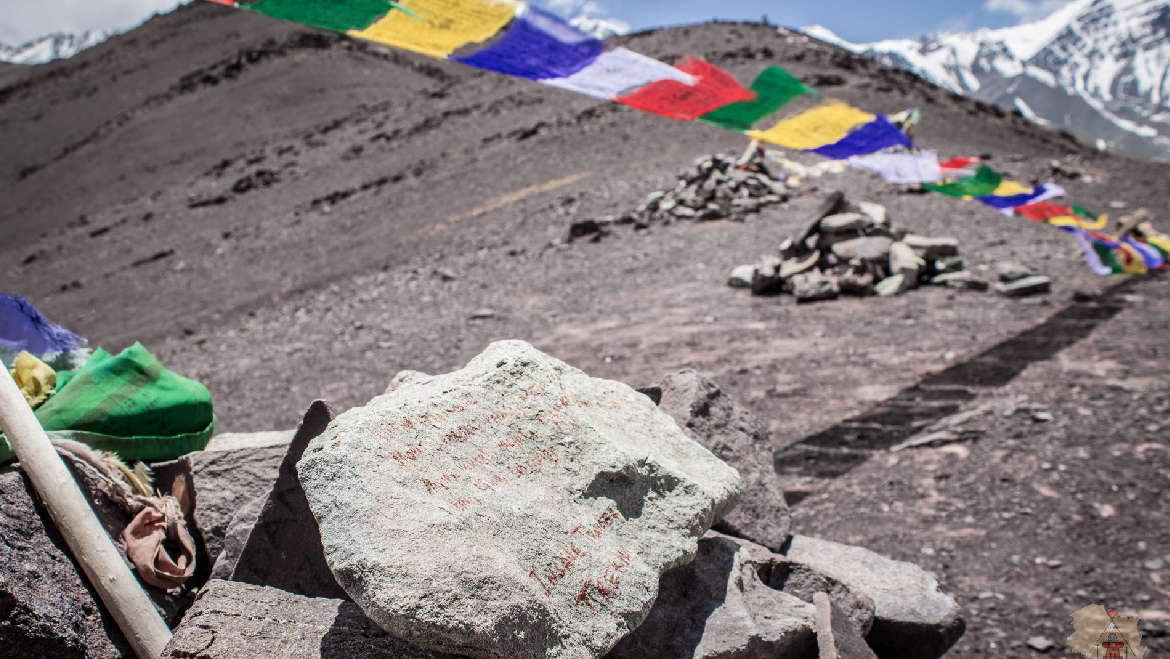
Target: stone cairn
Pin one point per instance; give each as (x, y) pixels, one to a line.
(855, 249)
(516, 508)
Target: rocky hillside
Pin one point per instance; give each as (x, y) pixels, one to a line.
(1099, 68)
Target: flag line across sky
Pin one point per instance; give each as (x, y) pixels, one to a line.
(514, 38)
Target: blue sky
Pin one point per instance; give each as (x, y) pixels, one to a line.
(855, 20)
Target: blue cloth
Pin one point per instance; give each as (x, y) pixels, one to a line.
(872, 137)
(537, 46)
(1039, 193)
(22, 327)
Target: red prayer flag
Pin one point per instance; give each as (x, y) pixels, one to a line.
(713, 89)
(1044, 211)
(960, 163)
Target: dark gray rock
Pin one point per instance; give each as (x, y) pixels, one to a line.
(856, 284)
(741, 276)
(837, 638)
(815, 287)
(1010, 271)
(767, 279)
(236, 537)
(1024, 287)
(233, 620)
(587, 229)
(961, 280)
(714, 419)
(932, 249)
(717, 607)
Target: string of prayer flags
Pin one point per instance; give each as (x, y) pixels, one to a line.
(877, 135)
(617, 71)
(1063, 216)
(985, 182)
(336, 15)
(774, 88)
(814, 128)
(437, 28)
(537, 45)
(1093, 257)
(1006, 204)
(713, 89)
(901, 168)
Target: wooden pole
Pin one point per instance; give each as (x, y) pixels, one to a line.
(87, 539)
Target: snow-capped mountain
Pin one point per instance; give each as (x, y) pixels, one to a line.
(51, 46)
(1098, 68)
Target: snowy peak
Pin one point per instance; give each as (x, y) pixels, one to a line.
(50, 47)
(1099, 68)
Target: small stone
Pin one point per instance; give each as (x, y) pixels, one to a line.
(876, 212)
(1009, 271)
(869, 248)
(837, 638)
(741, 276)
(445, 275)
(1041, 644)
(796, 266)
(1024, 287)
(846, 223)
(788, 249)
(960, 281)
(950, 264)
(683, 212)
(793, 182)
(1154, 564)
(815, 287)
(932, 249)
(482, 314)
(895, 285)
(588, 228)
(906, 262)
(767, 280)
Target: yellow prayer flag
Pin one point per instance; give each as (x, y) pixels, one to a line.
(815, 128)
(441, 26)
(1011, 189)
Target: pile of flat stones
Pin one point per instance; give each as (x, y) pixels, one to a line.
(514, 509)
(714, 188)
(855, 249)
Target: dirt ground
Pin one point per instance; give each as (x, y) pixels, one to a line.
(325, 276)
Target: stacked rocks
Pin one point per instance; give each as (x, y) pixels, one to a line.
(854, 249)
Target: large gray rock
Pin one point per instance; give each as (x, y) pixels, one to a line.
(47, 609)
(717, 607)
(283, 545)
(837, 638)
(232, 620)
(912, 618)
(714, 419)
(516, 508)
(224, 482)
(236, 537)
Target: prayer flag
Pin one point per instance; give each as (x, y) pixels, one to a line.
(536, 46)
(1006, 204)
(901, 168)
(1152, 258)
(774, 89)
(877, 135)
(336, 15)
(438, 27)
(1100, 260)
(616, 71)
(22, 327)
(983, 183)
(814, 128)
(714, 89)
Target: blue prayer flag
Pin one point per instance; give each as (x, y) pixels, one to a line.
(537, 46)
(872, 137)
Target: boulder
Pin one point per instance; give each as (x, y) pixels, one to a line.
(516, 508)
(868, 248)
(1024, 287)
(741, 277)
(814, 287)
(714, 419)
(717, 607)
(837, 638)
(283, 546)
(912, 618)
(232, 620)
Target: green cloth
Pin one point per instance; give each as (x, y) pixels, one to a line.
(130, 405)
(774, 89)
(983, 183)
(337, 15)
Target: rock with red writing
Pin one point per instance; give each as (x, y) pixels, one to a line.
(514, 509)
(714, 419)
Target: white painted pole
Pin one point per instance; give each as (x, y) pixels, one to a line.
(87, 539)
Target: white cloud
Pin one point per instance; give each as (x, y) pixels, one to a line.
(24, 20)
(1025, 10)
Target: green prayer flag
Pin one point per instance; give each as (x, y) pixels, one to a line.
(774, 89)
(1109, 257)
(128, 404)
(983, 183)
(337, 15)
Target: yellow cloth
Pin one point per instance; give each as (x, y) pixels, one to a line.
(1071, 221)
(815, 128)
(1161, 242)
(1011, 189)
(35, 379)
(445, 25)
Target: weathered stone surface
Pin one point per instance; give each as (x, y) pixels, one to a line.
(283, 549)
(236, 537)
(932, 248)
(906, 262)
(895, 285)
(234, 441)
(837, 638)
(869, 248)
(404, 377)
(741, 277)
(47, 609)
(233, 620)
(912, 618)
(846, 223)
(1011, 271)
(717, 607)
(714, 419)
(961, 280)
(224, 481)
(517, 508)
(814, 287)
(1024, 287)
